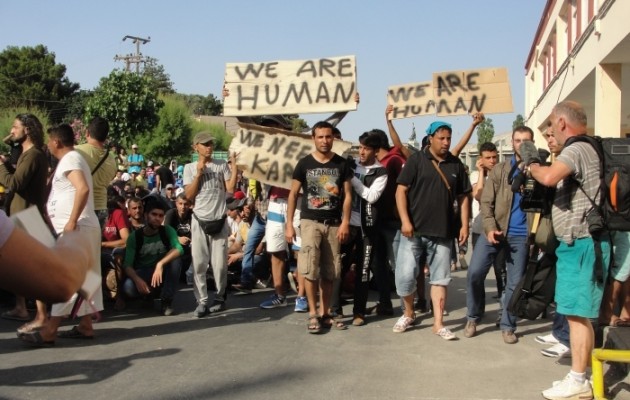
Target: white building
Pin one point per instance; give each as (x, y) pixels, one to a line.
(581, 52)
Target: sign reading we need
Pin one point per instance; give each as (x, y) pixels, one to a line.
(454, 93)
(290, 87)
(269, 155)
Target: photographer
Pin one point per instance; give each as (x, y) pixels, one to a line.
(576, 176)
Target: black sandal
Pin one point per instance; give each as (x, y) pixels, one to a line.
(314, 324)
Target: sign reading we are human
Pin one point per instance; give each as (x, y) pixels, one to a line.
(454, 93)
(290, 87)
(269, 155)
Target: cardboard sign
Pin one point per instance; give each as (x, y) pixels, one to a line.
(472, 91)
(411, 100)
(290, 87)
(269, 155)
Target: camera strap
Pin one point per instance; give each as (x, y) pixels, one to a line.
(439, 171)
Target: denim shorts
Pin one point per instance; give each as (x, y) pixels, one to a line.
(411, 252)
(578, 293)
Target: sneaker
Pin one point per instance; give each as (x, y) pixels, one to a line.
(546, 339)
(557, 350)
(167, 307)
(569, 388)
(301, 304)
(274, 302)
(470, 329)
(462, 263)
(509, 337)
(358, 320)
(292, 282)
(260, 284)
(217, 306)
(243, 288)
(201, 311)
(446, 334)
(402, 324)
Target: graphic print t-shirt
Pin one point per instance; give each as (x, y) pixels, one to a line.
(322, 184)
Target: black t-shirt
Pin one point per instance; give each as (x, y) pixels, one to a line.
(181, 225)
(166, 176)
(322, 185)
(429, 204)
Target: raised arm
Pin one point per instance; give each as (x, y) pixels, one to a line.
(477, 119)
(394, 135)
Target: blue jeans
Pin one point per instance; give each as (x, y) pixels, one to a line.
(170, 276)
(516, 251)
(560, 328)
(411, 250)
(254, 237)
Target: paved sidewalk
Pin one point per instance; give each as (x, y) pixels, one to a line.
(249, 353)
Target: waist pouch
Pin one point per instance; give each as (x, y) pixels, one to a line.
(211, 227)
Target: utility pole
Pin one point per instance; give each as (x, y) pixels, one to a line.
(133, 58)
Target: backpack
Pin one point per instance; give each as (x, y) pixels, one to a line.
(536, 289)
(140, 239)
(614, 158)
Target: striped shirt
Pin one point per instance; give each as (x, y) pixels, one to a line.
(570, 204)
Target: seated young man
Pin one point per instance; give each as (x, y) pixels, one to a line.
(148, 258)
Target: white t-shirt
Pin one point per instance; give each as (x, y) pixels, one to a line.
(61, 198)
(210, 201)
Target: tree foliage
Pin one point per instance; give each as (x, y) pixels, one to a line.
(297, 123)
(128, 102)
(485, 132)
(173, 134)
(30, 77)
(202, 105)
(519, 121)
(160, 80)
(221, 136)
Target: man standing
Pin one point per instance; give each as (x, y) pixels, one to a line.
(102, 164)
(70, 207)
(575, 174)
(163, 177)
(27, 183)
(430, 183)
(505, 229)
(135, 160)
(324, 178)
(206, 184)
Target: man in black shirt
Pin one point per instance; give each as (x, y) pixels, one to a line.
(324, 178)
(163, 176)
(179, 219)
(430, 184)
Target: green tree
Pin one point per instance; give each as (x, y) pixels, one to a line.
(172, 136)
(161, 81)
(203, 105)
(519, 121)
(297, 123)
(485, 132)
(30, 77)
(222, 137)
(128, 102)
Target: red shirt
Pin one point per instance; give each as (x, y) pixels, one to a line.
(116, 221)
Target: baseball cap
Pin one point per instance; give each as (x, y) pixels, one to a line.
(238, 195)
(134, 146)
(233, 203)
(150, 164)
(437, 125)
(203, 138)
(169, 186)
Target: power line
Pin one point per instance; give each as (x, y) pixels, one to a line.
(133, 58)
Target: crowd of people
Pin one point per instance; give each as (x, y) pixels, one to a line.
(392, 217)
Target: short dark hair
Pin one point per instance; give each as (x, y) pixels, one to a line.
(98, 128)
(322, 125)
(487, 146)
(523, 128)
(152, 202)
(63, 133)
(382, 137)
(369, 139)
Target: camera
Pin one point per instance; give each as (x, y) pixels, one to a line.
(536, 197)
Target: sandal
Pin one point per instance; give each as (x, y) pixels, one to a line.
(74, 333)
(29, 327)
(14, 316)
(35, 339)
(328, 322)
(446, 334)
(314, 324)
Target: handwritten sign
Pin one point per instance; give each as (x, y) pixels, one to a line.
(269, 155)
(472, 91)
(291, 87)
(411, 100)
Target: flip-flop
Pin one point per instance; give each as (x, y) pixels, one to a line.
(621, 323)
(329, 322)
(35, 339)
(14, 317)
(28, 327)
(74, 333)
(314, 324)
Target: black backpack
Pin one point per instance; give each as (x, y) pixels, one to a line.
(614, 158)
(536, 289)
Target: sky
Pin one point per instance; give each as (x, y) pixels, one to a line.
(395, 42)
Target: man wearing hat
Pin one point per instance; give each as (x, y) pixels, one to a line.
(135, 159)
(206, 184)
(429, 184)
